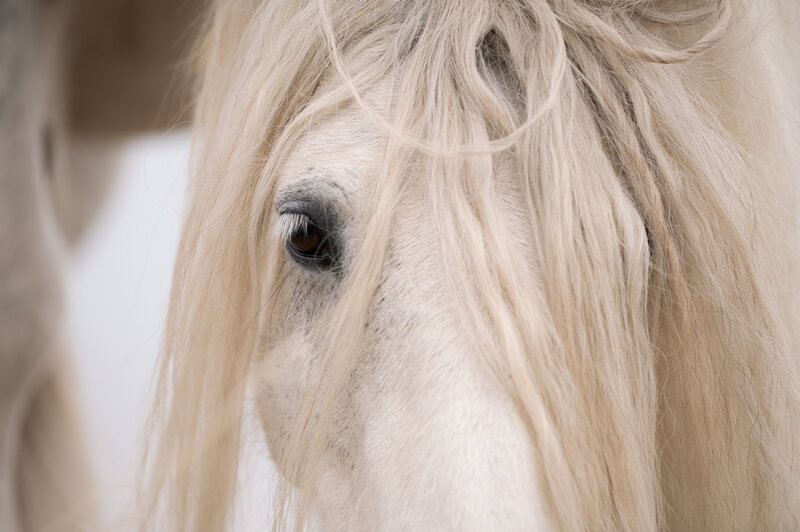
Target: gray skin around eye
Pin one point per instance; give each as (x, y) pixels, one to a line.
(320, 199)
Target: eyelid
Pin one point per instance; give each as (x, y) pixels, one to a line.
(315, 213)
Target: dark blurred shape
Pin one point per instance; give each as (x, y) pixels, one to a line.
(128, 67)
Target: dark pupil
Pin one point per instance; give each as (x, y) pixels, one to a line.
(306, 242)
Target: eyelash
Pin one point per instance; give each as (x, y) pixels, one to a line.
(290, 224)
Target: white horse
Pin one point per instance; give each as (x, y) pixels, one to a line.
(485, 264)
(491, 265)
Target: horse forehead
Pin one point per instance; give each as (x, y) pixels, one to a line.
(345, 136)
(345, 147)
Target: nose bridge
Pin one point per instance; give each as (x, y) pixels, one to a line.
(441, 293)
(442, 252)
(439, 421)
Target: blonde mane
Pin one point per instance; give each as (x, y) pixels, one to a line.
(648, 341)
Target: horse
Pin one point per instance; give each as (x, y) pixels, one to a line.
(495, 264)
(484, 264)
(70, 72)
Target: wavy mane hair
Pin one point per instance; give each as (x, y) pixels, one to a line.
(650, 349)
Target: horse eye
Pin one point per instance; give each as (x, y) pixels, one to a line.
(311, 245)
(306, 241)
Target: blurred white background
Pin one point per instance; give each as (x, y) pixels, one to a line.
(118, 282)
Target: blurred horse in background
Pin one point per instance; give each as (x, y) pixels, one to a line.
(71, 73)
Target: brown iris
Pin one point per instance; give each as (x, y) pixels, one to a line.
(311, 245)
(306, 241)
